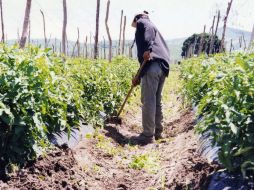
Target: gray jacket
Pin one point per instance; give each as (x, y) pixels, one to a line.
(148, 38)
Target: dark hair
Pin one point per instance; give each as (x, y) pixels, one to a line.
(142, 15)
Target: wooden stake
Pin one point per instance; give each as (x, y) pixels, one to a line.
(201, 43)
(25, 24)
(252, 38)
(78, 44)
(222, 47)
(29, 33)
(104, 48)
(2, 22)
(212, 37)
(240, 41)
(86, 48)
(231, 45)
(244, 42)
(18, 36)
(120, 35)
(108, 32)
(96, 53)
(44, 29)
(64, 36)
(124, 26)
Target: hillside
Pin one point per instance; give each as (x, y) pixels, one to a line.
(174, 45)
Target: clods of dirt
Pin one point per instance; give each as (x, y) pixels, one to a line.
(56, 170)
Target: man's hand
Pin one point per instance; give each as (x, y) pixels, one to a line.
(146, 55)
(135, 81)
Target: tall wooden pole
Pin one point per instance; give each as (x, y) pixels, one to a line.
(18, 36)
(29, 33)
(244, 42)
(251, 38)
(120, 35)
(217, 24)
(222, 47)
(2, 22)
(108, 32)
(78, 44)
(91, 49)
(64, 36)
(44, 29)
(231, 45)
(201, 43)
(104, 48)
(86, 54)
(55, 45)
(212, 37)
(25, 24)
(240, 41)
(124, 26)
(96, 51)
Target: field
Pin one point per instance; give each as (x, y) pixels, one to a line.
(43, 93)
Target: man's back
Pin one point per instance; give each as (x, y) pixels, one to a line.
(148, 38)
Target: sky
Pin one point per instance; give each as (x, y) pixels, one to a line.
(174, 18)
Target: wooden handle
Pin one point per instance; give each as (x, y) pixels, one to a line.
(131, 89)
(126, 98)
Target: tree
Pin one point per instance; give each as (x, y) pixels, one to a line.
(2, 21)
(194, 42)
(25, 24)
(109, 37)
(96, 51)
(64, 36)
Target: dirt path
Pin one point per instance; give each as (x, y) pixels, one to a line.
(106, 161)
(171, 164)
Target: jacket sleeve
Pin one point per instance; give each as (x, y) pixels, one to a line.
(149, 34)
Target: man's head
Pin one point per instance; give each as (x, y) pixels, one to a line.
(139, 16)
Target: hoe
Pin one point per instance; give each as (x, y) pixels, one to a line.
(116, 119)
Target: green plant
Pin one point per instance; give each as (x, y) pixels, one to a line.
(104, 84)
(42, 94)
(33, 102)
(148, 161)
(223, 89)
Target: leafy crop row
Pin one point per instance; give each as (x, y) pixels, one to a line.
(223, 88)
(41, 94)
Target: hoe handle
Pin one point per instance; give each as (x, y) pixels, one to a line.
(131, 89)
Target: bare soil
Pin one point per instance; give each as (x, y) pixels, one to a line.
(104, 161)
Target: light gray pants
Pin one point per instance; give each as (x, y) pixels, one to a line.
(151, 88)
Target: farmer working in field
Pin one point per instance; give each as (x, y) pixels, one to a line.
(153, 50)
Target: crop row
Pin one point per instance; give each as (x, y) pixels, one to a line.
(42, 94)
(223, 89)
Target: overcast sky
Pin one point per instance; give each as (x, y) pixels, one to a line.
(174, 18)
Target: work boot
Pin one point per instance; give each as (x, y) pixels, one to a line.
(159, 136)
(141, 140)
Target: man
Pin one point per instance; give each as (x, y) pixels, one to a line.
(152, 50)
